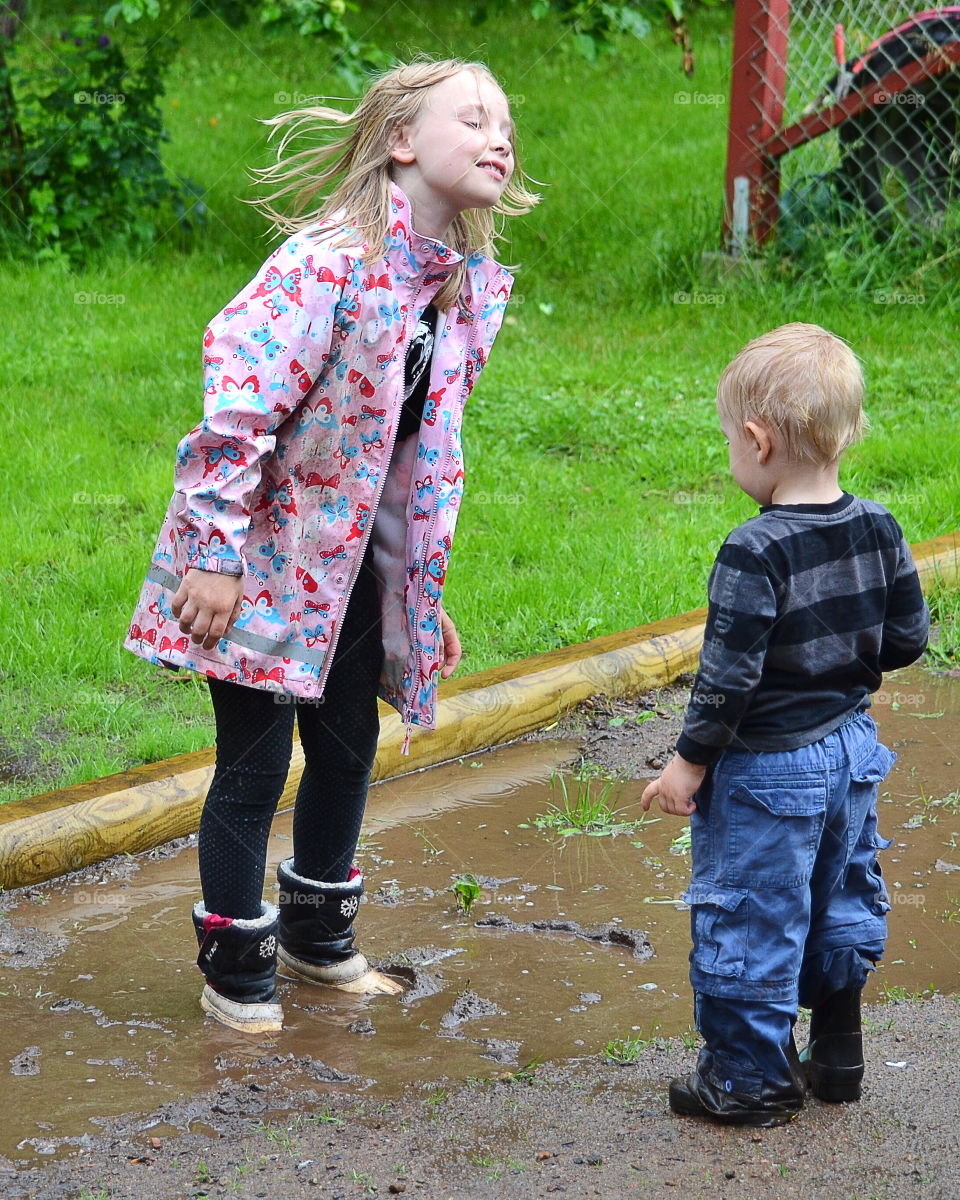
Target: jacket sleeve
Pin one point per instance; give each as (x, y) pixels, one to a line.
(741, 614)
(906, 623)
(262, 354)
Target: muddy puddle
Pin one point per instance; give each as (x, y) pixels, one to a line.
(573, 941)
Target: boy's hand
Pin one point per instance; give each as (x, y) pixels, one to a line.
(674, 788)
(206, 605)
(450, 649)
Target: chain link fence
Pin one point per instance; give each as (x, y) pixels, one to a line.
(841, 112)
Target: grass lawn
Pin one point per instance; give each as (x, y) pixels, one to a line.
(597, 485)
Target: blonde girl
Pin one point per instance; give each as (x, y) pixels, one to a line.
(302, 562)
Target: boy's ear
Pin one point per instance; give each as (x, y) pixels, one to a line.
(400, 149)
(761, 435)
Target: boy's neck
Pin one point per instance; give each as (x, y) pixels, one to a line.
(807, 483)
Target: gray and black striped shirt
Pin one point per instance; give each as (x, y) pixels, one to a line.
(808, 605)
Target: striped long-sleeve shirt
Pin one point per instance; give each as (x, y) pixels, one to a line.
(808, 605)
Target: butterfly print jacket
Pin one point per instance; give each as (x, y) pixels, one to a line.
(293, 468)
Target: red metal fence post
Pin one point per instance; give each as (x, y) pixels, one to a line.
(758, 78)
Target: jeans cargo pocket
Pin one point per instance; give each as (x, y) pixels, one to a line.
(773, 832)
(719, 923)
(875, 767)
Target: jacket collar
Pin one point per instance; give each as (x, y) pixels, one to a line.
(408, 251)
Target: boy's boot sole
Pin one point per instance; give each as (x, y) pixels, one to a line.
(244, 1017)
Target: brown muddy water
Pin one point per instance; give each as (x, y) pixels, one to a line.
(102, 1017)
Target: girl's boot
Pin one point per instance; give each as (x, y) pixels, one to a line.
(239, 961)
(833, 1060)
(316, 933)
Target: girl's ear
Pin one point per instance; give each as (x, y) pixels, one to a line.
(400, 149)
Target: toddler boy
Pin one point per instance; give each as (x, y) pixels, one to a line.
(778, 765)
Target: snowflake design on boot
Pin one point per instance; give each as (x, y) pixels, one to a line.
(268, 947)
(350, 905)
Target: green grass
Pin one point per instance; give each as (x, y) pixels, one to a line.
(585, 805)
(597, 483)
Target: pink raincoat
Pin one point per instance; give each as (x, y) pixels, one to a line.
(293, 468)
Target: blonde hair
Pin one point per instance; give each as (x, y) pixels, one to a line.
(361, 154)
(805, 382)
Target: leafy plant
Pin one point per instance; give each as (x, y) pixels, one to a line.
(587, 807)
(82, 137)
(682, 843)
(466, 891)
(625, 1050)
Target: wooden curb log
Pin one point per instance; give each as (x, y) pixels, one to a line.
(57, 832)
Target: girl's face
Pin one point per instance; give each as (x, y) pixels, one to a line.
(458, 153)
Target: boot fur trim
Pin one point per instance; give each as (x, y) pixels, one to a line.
(288, 875)
(268, 914)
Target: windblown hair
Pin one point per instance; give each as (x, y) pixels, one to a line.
(356, 147)
(803, 381)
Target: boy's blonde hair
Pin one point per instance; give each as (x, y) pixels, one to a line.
(805, 382)
(361, 155)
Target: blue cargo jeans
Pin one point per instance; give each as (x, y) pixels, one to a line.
(787, 899)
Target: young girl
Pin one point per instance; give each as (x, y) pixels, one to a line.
(302, 560)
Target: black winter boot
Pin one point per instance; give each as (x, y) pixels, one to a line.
(316, 933)
(706, 1094)
(833, 1060)
(239, 961)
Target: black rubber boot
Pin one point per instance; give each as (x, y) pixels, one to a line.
(238, 959)
(316, 933)
(704, 1094)
(833, 1061)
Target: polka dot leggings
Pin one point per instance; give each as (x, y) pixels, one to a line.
(338, 734)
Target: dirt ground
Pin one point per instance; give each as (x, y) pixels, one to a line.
(577, 1128)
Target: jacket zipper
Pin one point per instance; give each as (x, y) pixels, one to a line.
(474, 338)
(371, 516)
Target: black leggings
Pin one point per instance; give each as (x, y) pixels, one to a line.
(338, 734)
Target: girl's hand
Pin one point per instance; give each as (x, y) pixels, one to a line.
(674, 788)
(450, 649)
(207, 604)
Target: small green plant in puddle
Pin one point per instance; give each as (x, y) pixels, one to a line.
(585, 805)
(102, 1194)
(203, 1173)
(683, 842)
(466, 891)
(625, 1050)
